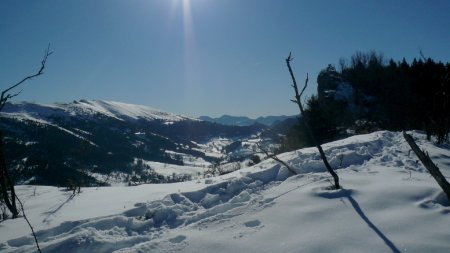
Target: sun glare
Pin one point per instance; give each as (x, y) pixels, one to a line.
(189, 48)
(187, 19)
(186, 13)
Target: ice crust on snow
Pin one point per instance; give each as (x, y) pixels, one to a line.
(389, 204)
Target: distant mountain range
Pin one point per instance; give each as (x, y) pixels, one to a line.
(54, 143)
(246, 121)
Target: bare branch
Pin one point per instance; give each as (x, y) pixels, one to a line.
(422, 55)
(289, 58)
(306, 85)
(274, 157)
(5, 96)
(13, 95)
(294, 82)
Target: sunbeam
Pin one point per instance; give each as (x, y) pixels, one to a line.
(190, 61)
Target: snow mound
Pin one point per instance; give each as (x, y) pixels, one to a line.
(379, 148)
(147, 221)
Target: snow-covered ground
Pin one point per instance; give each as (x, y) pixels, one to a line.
(170, 169)
(389, 203)
(214, 147)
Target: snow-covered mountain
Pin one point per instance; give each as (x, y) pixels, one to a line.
(89, 109)
(51, 144)
(389, 203)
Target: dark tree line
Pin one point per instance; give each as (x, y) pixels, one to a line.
(368, 93)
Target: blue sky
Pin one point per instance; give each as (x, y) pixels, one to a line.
(204, 57)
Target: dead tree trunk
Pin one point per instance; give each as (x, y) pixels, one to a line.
(297, 101)
(429, 165)
(6, 184)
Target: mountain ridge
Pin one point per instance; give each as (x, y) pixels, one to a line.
(246, 121)
(111, 109)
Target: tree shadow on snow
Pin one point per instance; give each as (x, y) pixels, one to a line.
(52, 212)
(344, 193)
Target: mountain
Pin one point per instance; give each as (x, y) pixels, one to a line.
(230, 120)
(90, 109)
(57, 143)
(281, 128)
(246, 121)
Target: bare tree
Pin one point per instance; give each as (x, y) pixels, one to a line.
(297, 101)
(6, 184)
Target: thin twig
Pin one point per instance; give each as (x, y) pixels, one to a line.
(422, 55)
(29, 224)
(5, 96)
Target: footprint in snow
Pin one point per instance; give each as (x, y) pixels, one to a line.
(252, 223)
(178, 239)
(251, 227)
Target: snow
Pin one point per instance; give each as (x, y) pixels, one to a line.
(126, 111)
(166, 169)
(214, 147)
(112, 109)
(189, 160)
(389, 203)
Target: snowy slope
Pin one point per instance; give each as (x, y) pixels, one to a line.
(389, 204)
(89, 108)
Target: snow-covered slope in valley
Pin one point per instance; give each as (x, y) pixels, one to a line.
(89, 108)
(388, 203)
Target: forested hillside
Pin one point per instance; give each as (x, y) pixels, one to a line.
(367, 93)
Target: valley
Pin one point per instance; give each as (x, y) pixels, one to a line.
(93, 143)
